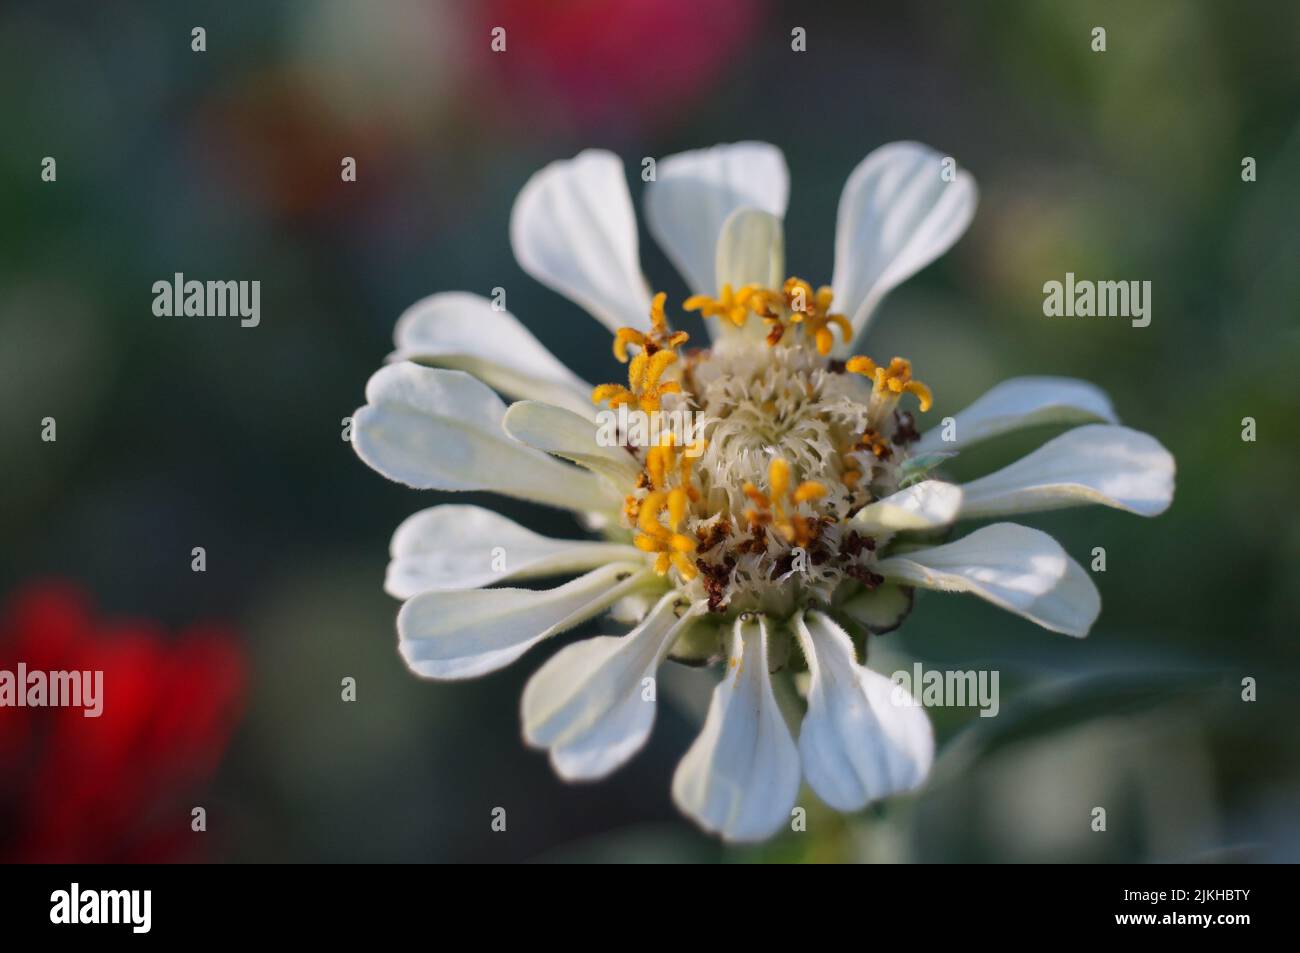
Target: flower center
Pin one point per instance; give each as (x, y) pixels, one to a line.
(753, 514)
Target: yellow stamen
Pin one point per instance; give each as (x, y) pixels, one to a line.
(770, 508)
(799, 297)
(735, 306)
(799, 531)
(657, 365)
(636, 372)
(808, 491)
(795, 303)
(658, 350)
(766, 303)
(623, 338)
(894, 379)
(778, 477)
(684, 566)
(682, 544)
(657, 460)
(670, 545)
(922, 394)
(861, 365)
(820, 328)
(824, 298)
(614, 393)
(658, 319)
(809, 308)
(877, 444)
(677, 502)
(756, 496)
(648, 518)
(660, 335)
(662, 470)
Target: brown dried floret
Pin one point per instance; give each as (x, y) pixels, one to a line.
(714, 534)
(905, 431)
(716, 578)
(853, 543)
(870, 580)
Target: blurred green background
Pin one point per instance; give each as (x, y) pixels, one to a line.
(174, 433)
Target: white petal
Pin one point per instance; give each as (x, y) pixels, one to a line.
(464, 332)
(566, 434)
(1016, 568)
(455, 546)
(741, 776)
(632, 609)
(694, 193)
(860, 739)
(925, 505)
(896, 215)
(463, 633)
(1113, 466)
(590, 705)
(751, 250)
(1022, 402)
(573, 229)
(442, 430)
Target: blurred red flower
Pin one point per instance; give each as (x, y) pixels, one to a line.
(119, 787)
(633, 62)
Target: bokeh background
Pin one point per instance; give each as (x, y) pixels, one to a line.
(175, 433)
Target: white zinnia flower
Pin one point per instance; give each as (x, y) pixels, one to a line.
(804, 518)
